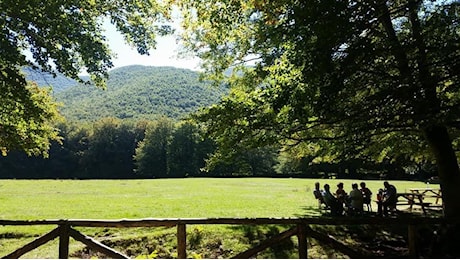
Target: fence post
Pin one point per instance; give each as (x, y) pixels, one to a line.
(64, 231)
(412, 241)
(302, 238)
(181, 241)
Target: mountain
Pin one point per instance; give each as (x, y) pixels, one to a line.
(140, 92)
(58, 83)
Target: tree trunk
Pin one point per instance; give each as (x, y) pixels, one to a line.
(448, 170)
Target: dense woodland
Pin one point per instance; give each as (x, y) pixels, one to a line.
(112, 148)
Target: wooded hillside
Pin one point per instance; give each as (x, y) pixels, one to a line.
(138, 92)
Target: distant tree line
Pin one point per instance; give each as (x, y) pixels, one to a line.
(120, 149)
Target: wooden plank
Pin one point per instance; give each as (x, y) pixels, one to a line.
(181, 241)
(64, 241)
(302, 239)
(236, 221)
(34, 244)
(267, 243)
(91, 243)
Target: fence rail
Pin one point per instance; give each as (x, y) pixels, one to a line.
(300, 228)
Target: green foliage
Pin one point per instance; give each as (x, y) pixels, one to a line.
(367, 79)
(151, 154)
(110, 149)
(27, 120)
(103, 149)
(61, 37)
(187, 151)
(69, 33)
(172, 150)
(140, 92)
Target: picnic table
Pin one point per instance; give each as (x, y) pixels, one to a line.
(411, 199)
(428, 193)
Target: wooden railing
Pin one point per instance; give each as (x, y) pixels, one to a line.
(300, 228)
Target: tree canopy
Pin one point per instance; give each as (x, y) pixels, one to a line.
(65, 37)
(341, 78)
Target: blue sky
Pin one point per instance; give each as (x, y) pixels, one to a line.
(164, 55)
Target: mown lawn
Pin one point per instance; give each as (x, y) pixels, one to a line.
(163, 198)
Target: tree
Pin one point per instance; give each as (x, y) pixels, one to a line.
(151, 157)
(27, 120)
(356, 79)
(110, 151)
(183, 157)
(60, 36)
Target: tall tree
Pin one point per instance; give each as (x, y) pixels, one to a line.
(61, 36)
(151, 158)
(182, 151)
(110, 150)
(346, 78)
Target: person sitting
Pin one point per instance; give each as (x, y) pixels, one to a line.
(367, 195)
(318, 195)
(388, 200)
(356, 200)
(341, 194)
(332, 202)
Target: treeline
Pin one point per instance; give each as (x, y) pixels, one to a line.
(112, 148)
(120, 149)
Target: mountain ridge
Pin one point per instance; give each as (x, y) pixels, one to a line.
(139, 92)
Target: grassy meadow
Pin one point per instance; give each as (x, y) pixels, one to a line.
(162, 198)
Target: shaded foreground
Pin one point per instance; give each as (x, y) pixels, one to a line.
(368, 237)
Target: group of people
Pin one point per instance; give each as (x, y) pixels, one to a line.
(352, 203)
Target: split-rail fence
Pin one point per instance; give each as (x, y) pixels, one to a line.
(300, 227)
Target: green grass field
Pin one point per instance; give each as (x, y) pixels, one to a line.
(163, 198)
(166, 198)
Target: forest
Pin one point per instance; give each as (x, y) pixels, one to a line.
(111, 148)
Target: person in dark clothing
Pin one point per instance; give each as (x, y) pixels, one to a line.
(341, 194)
(367, 195)
(389, 199)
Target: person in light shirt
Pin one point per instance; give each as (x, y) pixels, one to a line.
(356, 199)
(335, 205)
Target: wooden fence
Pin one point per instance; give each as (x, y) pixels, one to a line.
(300, 227)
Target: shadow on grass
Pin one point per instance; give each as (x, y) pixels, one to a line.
(311, 211)
(256, 234)
(389, 241)
(14, 235)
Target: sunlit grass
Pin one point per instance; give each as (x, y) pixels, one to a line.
(166, 198)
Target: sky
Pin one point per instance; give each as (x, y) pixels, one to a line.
(164, 55)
